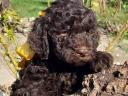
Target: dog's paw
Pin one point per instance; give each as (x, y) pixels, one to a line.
(103, 61)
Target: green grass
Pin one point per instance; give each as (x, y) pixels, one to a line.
(28, 8)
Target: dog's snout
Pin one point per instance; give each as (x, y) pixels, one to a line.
(83, 51)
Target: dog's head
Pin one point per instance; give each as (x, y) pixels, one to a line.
(69, 29)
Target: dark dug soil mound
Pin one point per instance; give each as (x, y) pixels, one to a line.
(111, 82)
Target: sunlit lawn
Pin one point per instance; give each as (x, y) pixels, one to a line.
(29, 8)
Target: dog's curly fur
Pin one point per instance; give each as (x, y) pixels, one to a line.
(65, 43)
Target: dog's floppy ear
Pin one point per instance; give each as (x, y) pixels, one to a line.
(38, 39)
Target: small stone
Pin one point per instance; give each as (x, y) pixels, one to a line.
(2, 93)
(31, 19)
(84, 91)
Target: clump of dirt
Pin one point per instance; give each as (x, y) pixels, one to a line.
(111, 82)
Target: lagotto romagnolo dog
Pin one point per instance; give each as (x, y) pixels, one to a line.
(65, 41)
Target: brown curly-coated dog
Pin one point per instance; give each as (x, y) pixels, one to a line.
(65, 42)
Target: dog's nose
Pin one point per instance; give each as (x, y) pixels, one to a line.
(83, 51)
